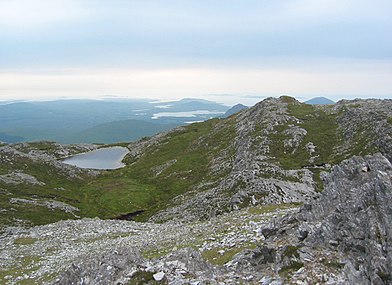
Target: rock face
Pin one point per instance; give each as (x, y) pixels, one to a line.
(107, 268)
(343, 237)
(354, 216)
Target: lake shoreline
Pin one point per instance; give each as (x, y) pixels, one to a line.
(108, 158)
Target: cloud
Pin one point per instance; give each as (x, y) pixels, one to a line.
(174, 33)
(183, 48)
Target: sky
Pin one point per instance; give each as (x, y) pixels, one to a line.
(230, 51)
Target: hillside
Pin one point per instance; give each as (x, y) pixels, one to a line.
(238, 172)
(269, 154)
(118, 131)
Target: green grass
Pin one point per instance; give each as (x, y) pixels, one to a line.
(362, 144)
(25, 241)
(321, 130)
(193, 149)
(291, 251)
(317, 179)
(213, 256)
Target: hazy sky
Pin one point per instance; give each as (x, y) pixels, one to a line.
(230, 51)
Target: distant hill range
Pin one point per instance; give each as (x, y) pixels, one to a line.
(319, 101)
(106, 121)
(99, 121)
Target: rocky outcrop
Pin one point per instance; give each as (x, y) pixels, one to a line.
(250, 175)
(53, 149)
(278, 152)
(354, 216)
(13, 155)
(106, 268)
(365, 125)
(18, 177)
(125, 266)
(50, 204)
(344, 236)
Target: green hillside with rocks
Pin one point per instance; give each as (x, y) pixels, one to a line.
(271, 153)
(280, 193)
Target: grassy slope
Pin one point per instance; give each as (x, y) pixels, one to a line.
(122, 191)
(193, 149)
(321, 130)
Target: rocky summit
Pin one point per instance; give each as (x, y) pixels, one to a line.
(279, 193)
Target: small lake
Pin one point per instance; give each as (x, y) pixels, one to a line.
(103, 158)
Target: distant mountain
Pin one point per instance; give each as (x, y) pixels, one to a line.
(319, 101)
(234, 109)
